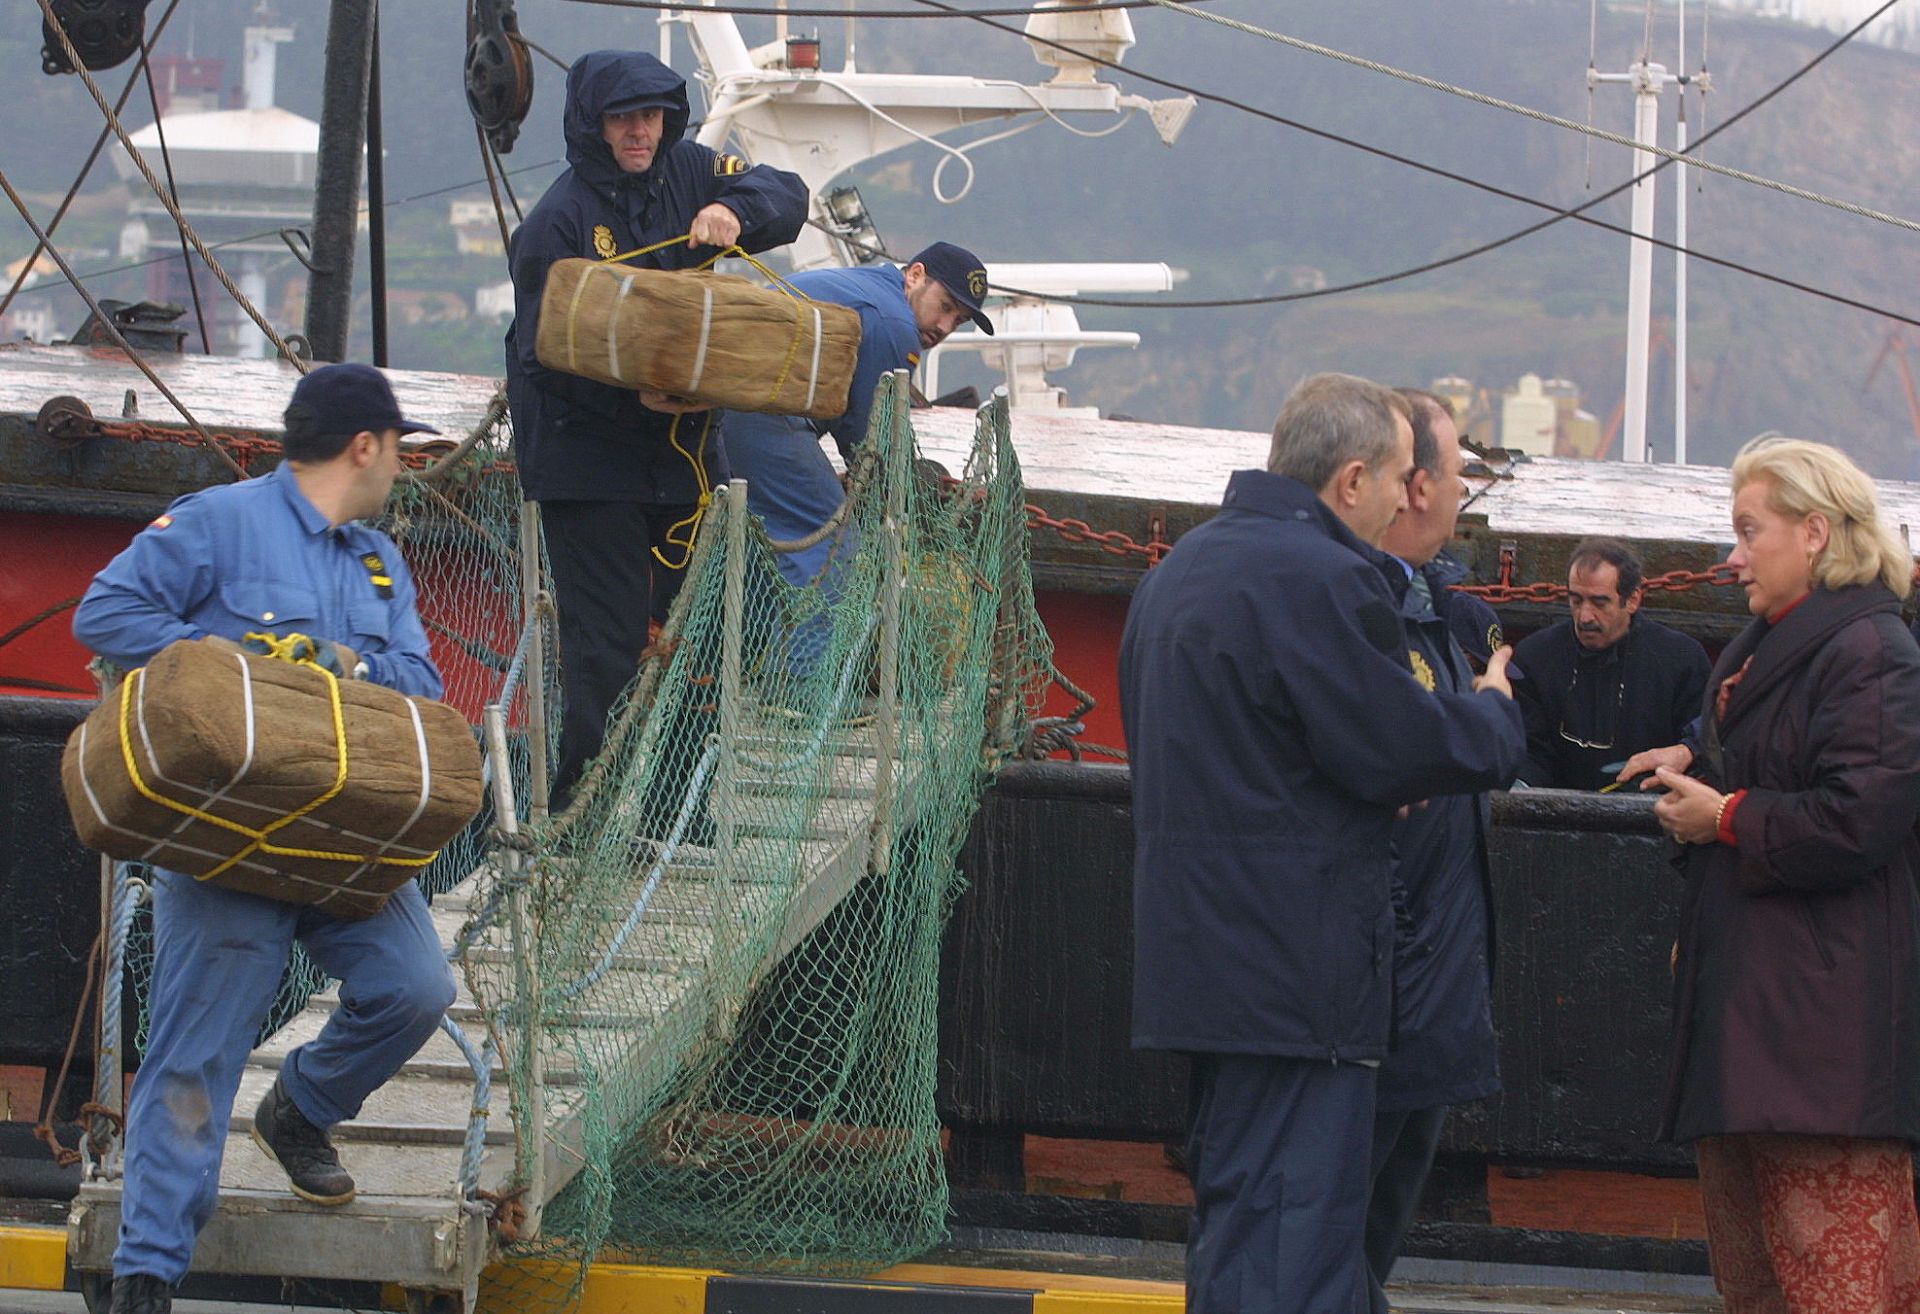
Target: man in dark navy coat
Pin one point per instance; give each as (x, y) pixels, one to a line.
(1276, 728)
(620, 478)
(1444, 1052)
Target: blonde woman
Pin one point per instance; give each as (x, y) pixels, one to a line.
(1795, 1063)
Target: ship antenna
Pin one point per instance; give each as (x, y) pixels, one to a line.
(1593, 19)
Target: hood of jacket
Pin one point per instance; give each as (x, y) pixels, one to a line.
(602, 79)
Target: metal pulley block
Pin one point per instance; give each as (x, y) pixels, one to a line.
(66, 422)
(499, 73)
(103, 32)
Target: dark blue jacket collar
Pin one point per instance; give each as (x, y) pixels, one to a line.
(1285, 498)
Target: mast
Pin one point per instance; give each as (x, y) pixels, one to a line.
(336, 192)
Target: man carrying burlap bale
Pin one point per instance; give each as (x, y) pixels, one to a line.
(620, 482)
(279, 554)
(791, 485)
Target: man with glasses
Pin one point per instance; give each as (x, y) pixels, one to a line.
(1443, 1051)
(1606, 682)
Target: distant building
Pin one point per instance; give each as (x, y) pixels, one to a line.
(476, 226)
(1529, 418)
(495, 301)
(243, 176)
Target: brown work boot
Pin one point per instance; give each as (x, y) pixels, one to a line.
(304, 1150)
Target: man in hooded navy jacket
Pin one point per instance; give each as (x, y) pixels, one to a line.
(620, 478)
(1276, 728)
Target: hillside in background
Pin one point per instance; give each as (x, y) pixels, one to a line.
(1244, 206)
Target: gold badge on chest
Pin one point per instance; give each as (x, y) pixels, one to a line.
(603, 242)
(1421, 670)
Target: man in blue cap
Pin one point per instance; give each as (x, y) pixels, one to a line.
(791, 485)
(284, 553)
(619, 480)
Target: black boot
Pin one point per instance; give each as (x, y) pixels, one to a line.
(140, 1293)
(312, 1164)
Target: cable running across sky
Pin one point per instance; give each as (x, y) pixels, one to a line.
(1540, 116)
(1576, 212)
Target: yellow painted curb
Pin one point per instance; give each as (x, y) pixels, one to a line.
(33, 1258)
(1107, 1302)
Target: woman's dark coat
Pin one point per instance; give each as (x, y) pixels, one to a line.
(1797, 991)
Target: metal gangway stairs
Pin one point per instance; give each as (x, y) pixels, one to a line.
(437, 1149)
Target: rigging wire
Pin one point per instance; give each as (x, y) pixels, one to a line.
(99, 143)
(55, 26)
(763, 11)
(173, 189)
(1539, 116)
(274, 232)
(1576, 212)
(111, 330)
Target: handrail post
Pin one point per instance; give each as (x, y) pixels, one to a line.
(886, 724)
(532, 592)
(530, 1150)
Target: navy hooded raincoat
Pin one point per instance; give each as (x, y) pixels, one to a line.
(575, 439)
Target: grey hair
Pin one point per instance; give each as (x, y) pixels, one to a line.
(1331, 419)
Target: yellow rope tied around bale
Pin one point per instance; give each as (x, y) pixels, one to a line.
(681, 534)
(300, 650)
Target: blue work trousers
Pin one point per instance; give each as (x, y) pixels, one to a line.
(1278, 1152)
(793, 488)
(217, 960)
(1404, 1143)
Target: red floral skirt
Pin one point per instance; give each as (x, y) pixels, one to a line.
(1811, 1224)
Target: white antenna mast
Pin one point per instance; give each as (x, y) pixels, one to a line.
(1646, 78)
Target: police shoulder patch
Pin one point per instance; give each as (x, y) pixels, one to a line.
(603, 242)
(725, 166)
(1422, 669)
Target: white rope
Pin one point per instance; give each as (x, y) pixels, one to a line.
(706, 335)
(1541, 116)
(613, 327)
(813, 370)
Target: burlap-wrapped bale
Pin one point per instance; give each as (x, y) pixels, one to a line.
(235, 768)
(696, 334)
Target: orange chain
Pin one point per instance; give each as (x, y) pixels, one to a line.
(1112, 540)
(243, 450)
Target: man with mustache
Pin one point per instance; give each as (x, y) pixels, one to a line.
(791, 485)
(1606, 682)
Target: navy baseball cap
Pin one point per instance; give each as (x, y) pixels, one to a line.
(960, 272)
(349, 399)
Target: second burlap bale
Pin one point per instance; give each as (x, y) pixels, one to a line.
(696, 334)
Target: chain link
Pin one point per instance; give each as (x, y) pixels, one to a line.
(244, 450)
(1113, 540)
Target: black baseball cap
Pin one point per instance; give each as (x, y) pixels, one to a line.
(347, 399)
(961, 272)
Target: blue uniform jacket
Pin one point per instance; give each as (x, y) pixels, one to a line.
(575, 439)
(1444, 1049)
(1275, 728)
(258, 556)
(889, 338)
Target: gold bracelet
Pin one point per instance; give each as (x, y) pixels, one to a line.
(1721, 813)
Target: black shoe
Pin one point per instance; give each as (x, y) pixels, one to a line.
(312, 1164)
(140, 1293)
